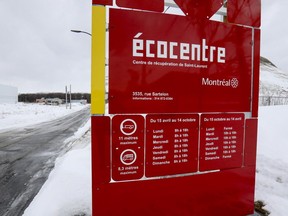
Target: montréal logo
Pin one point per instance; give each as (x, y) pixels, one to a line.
(234, 82)
(163, 49)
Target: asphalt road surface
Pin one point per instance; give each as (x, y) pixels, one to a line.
(27, 155)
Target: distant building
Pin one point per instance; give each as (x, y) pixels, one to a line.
(8, 94)
(50, 101)
(53, 101)
(42, 100)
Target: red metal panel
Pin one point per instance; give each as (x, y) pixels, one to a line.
(171, 144)
(199, 9)
(163, 75)
(127, 147)
(256, 73)
(250, 142)
(102, 2)
(225, 193)
(221, 141)
(100, 130)
(155, 5)
(245, 12)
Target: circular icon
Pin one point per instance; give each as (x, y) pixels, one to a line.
(234, 83)
(128, 157)
(128, 127)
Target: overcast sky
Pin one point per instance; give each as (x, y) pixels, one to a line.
(38, 53)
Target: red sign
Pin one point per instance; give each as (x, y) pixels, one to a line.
(244, 12)
(190, 150)
(197, 194)
(127, 147)
(171, 144)
(163, 63)
(198, 10)
(155, 5)
(100, 139)
(102, 2)
(221, 141)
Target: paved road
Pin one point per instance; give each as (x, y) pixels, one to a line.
(27, 156)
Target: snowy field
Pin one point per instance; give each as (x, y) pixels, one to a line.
(67, 191)
(273, 81)
(22, 114)
(272, 160)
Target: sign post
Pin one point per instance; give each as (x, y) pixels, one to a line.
(178, 134)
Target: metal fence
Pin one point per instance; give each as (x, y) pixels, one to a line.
(272, 101)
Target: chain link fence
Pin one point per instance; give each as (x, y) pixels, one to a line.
(272, 100)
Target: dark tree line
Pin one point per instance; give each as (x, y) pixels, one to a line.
(31, 97)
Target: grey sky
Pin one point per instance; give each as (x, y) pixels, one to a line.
(274, 36)
(38, 53)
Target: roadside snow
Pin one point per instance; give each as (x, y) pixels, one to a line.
(79, 133)
(23, 114)
(67, 191)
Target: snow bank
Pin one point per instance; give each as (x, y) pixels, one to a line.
(22, 114)
(273, 132)
(79, 133)
(67, 192)
(272, 184)
(272, 160)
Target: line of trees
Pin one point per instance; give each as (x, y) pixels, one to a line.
(31, 97)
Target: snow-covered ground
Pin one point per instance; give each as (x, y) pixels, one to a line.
(273, 81)
(23, 114)
(272, 160)
(67, 191)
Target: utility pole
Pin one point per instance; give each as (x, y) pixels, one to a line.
(70, 97)
(66, 98)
